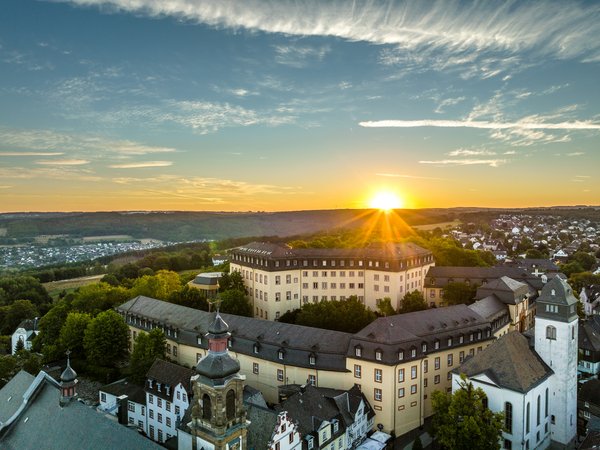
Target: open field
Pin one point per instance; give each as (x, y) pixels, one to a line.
(113, 237)
(442, 225)
(55, 287)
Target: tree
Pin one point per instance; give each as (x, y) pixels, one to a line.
(147, 348)
(586, 260)
(105, 339)
(412, 301)
(384, 307)
(72, 333)
(231, 281)
(159, 286)
(348, 315)
(98, 297)
(571, 268)
(50, 326)
(579, 280)
(234, 301)
(16, 313)
(457, 292)
(461, 420)
(534, 253)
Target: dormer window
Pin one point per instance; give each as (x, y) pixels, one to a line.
(256, 348)
(168, 388)
(358, 351)
(461, 339)
(158, 387)
(553, 292)
(449, 342)
(149, 383)
(436, 344)
(378, 355)
(280, 354)
(424, 347)
(312, 360)
(413, 352)
(336, 426)
(479, 335)
(400, 355)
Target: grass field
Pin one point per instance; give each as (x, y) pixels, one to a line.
(442, 225)
(56, 287)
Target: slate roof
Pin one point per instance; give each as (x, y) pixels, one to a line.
(44, 424)
(29, 324)
(533, 263)
(506, 289)
(262, 425)
(11, 395)
(134, 392)
(313, 405)
(168, 374)
(490, 308)
(402, 331)
(392, 250)
(298, 342)
(589, 334)
(558, 292)
(590, 392)
(510, 362)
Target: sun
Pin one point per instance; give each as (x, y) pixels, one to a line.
(385, 201)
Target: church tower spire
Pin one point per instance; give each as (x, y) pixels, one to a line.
(68, 381)
(218, 414)
(556, 341)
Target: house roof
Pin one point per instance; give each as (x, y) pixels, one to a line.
(490, 308)
(42, 422)
(168, 374)
(589, 334)
(11, 395)
(134, 392)
(558, 292)
(29, 324)
(507, 290)
(263, 423)
(510, 362)
(590, 392)
(298, 341)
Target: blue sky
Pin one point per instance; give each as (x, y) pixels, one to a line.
(255, 105)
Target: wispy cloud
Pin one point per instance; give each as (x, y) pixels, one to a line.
(140, 165)
(466, 152)
(465, 162)
(299, 56)
(31, 153)
(547, 28)
(60, 173)
(448, 102)
(63, 162)
(575, 154)
(482, 124)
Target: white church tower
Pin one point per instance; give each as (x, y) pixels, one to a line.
(556, 328)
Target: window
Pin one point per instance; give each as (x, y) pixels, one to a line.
(424, 382)
(168, 405)
(377, 395)
(358, 351)
(378, 355)
(413, 389)
(130, 406)
(546, 404)
(160, 435)
(450, 359)
(461, 357)
(151, 413)
(311, 360)
(527, 418)
(436, 379)
(508, 419)
(436, 362)
(378, 375)
(159, 402)
(279, 374)
(413, 352)
(168, 421)
(277, 296)
(423, 348)
(550, 332)
(400, 375)
(151, 432)
(159, 418)
(425, 365)
(150, 397)
(312, 380)
(537, 412)
(255, 368)
(280, 354)
(436, 344)
(413, 372)
(357, 371)
(400, 392)
(277, 279)
(400, 355)
(507, 444)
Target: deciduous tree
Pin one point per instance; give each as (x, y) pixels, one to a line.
(147, 347)
(412, 301)
(457, 292)
(105, 339)
(462, 421)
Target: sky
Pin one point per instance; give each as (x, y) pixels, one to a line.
(292, 105)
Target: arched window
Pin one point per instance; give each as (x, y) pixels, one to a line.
(551, 332)
(508, 417)
(539, 405)
(546, 403)
(206, 407)
(527, 417)
(230, 404)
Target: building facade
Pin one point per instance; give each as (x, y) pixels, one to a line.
(280, 279)
(397, 361)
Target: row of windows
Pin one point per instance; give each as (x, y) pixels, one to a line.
(312, 379)
(325, 285)
(478, 335)
(508, 413)
(325, 262)
(324, 298)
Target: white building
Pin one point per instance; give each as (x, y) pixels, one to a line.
(126, 401)
(535, 387)
(280, 279)
(168, 393)
(25, 332)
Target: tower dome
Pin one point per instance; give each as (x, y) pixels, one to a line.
(218, 364)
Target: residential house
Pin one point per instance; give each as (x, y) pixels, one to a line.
(25, 333)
